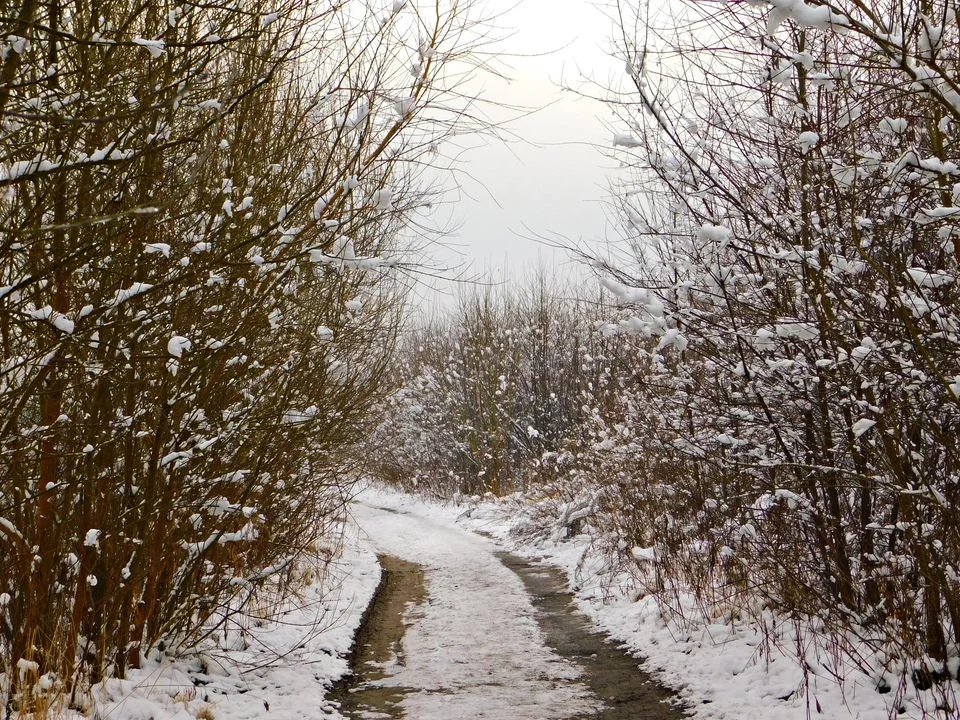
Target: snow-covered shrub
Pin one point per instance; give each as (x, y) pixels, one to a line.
(495, 392)
(201, 206)
(792, 221)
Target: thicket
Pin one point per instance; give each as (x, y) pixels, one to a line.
(793, 220)
(201, 208)
(497, 395)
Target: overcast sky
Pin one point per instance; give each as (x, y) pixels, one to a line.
(552, 180)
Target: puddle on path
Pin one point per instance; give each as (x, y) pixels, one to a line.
(378, 645)
(612, 674)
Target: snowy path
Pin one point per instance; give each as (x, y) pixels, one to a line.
(475, 649)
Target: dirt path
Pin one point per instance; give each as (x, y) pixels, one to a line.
(458, 630)
(625, 691)
(379, 641)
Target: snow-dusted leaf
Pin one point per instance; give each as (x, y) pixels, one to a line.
(157, 249)
(383, 199)
(807, 141)
(137, 288)
(404, 106)
(626, 140)
(154, 47)
(177, 345)
(861, 426)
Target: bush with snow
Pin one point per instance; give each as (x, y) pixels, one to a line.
(174, 370)
(801, 444)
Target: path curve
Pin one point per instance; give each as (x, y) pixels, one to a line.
(475, 649)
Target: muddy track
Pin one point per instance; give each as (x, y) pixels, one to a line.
(379, 640)
(613, 676)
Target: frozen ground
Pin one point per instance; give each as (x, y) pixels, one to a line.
(475, 650)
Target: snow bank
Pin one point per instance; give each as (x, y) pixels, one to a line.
(278, 663)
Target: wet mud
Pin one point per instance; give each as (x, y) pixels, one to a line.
(378, 645)
(614, 676)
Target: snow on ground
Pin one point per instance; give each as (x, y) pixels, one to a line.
(722, 671)
(475, 649)
(279, 668)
